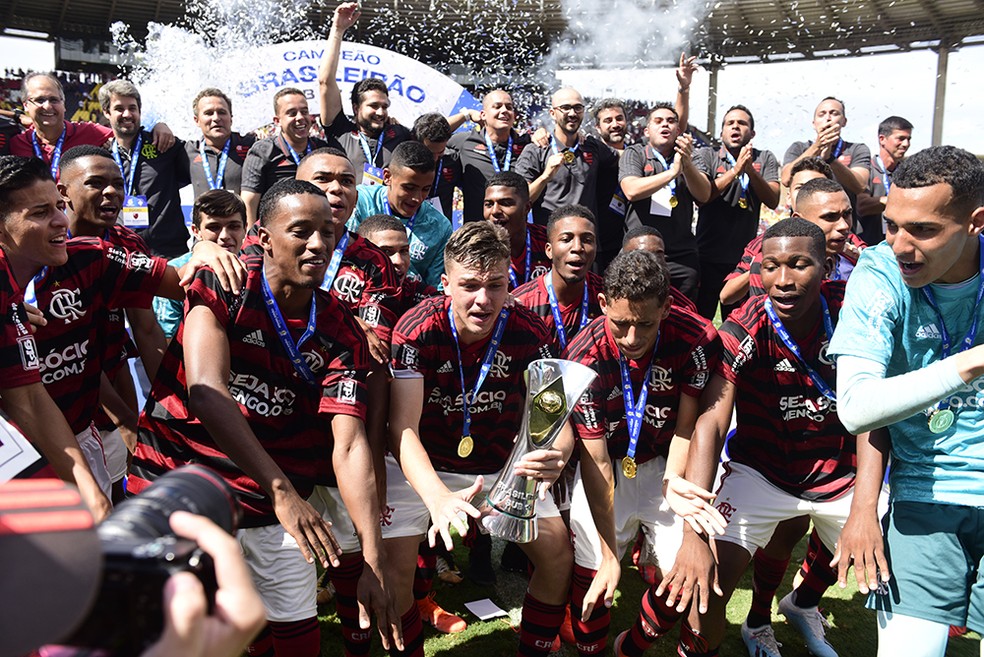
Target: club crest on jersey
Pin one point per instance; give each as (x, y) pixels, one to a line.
(417, 249)
(66, 304)
(348, 285)
(500, 366)
(314, 361)
(661, 379)
(538, 271)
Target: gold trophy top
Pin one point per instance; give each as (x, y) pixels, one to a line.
(549, 406)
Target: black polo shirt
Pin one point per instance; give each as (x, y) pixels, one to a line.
(233, 176)
(269, 161)
(476, 166)
(346, 132)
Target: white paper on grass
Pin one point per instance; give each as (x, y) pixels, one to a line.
(485, 609)
(15, 452)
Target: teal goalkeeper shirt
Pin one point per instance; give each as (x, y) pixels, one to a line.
(430, 233)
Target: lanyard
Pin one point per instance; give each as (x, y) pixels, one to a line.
(555, 309)
(437, 178)
(666, 167)
(293, 154)
(56, 153)
(886, 174)
(968, 340)
(513, 279)
(572, 150)
(336, 262)
(371, 157)
(134, 161)
(492, 156)
(838, 149)
(410, 222)
(216, 183)
(30, 296)
(743, 178)
(293, 349)
(635, 407)
(787, 339)
(490, 351)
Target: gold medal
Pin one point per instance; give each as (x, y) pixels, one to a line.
(629, 467)
(941, 420)
(569, 157)
(466, 446)
(673, 201)
(743, 203)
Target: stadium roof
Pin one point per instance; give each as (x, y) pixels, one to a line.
(734, 30)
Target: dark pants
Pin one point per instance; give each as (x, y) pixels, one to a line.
(712, 275)
(685, 275)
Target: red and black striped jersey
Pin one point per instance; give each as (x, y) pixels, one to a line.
(366, 281)
(423, 345)
(688, 351)
(117, 344)
(20, 361)
(289, 416)
(413, 291)
(75, 299)
(539, 262)
(787, 430)
(534, 296)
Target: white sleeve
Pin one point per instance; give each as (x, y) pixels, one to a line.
(866, 400)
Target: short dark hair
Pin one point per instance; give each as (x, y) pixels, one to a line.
(800, 227)
(661, 105)
(326, 150)
(431, 126)
(78, 152)
(414, 156)
(641, 231)
(812, 164)
(280, 189)
(891, 124)
(571, 210)
(826, 98)
(607, 103)
(953, 166)
(512, 180)
(286, 91)
(637, 276)
(478, 244)
(217, 203)
(364, 86)
(818, 186)
(121, 88)
(17, 173)
(751, 119)
(378, 223)
(211, 92)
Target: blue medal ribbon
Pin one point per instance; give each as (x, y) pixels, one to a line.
(572, 149)
(495, 160)
(336, 262)
(666, 167)
(555, 309)
(134, 161)
(30, 296)
(215, 183)
(293, 154)
(886, 175)
(490, 351)
(635, 407)
(787, 339)
(513, 279)
(371, 157)
(437, 178)
(837, 149)
(293, 349)
(971, 336)
(742, 179)
(56, 153)
(410, 222)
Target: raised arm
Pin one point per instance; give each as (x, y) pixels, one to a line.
(346, 14)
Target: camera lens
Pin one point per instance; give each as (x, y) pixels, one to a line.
(191, 488)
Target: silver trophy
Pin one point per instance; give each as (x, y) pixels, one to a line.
(553, 387)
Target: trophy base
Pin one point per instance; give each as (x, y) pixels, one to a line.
(508, 527)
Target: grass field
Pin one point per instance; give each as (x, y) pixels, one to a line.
(852, 633)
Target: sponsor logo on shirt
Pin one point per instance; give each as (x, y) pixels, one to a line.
(411, 356)
(140, 261)
(28, 353)
(66, 304)
(70, 361)
(255, 338)
(446, 368)
(260, 397)
(784, 366)
(346, 392)
(370, 315)
(794, 407)
(929, 331)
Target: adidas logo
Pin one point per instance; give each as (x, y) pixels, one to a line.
(446, 368)
(785, 366)
(928, 331)
(616, 392)
(255, 338)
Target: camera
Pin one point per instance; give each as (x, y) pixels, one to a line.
(141, 552)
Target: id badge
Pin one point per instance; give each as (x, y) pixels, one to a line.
(372, 175)
(659, 204)
(618, 204)
(136, 214)
(436, 204)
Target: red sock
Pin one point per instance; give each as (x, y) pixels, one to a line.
(345, 579)
(297, 638)
(423, 577)
(693, 644)
(767, 576)
(655, 619)
(413, 635)
(539, 626)
(817, 574)
(262, 645)
(591, 635)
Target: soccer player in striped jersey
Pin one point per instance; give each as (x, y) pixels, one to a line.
(507, 204)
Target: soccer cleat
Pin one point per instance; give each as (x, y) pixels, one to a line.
(442, 621)
(810, 623)
(761, 642)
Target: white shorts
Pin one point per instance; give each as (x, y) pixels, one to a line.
(328, 502)
(92, 449)
(406, 514)
(753, 507)
(285, 581)
(116, 452)
(639, 504)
